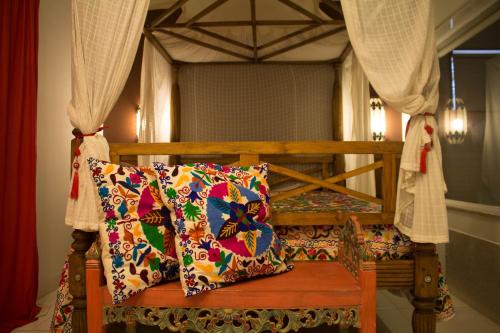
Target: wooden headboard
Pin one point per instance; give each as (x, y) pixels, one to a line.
(275, 152)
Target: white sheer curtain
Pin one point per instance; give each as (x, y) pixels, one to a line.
(356, 121)
(394, 42)
(156, 93)
(105, 37)
(491, 147)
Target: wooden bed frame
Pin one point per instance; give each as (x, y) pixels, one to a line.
(419, 274)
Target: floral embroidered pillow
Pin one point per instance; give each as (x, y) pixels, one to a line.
(137, 237)
(223, 226)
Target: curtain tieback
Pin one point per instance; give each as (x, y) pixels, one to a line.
(428, 146)
(76, 165)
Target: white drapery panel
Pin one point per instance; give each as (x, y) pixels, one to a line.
(491, 147)
(105, 37)
(156, 93)
(394, 42)
(356, 121)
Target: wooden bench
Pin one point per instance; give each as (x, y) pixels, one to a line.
(311, 294)
(419, 274)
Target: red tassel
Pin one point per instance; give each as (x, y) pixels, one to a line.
(423, 159)
(75, 185)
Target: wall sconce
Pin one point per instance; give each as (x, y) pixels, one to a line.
(377, 112)
(455, 115)
(138, 121)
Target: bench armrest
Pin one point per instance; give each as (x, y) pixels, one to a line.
(354, 253)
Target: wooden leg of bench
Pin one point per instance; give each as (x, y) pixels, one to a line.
(95, 306)
(368, 311)
(82, 242)
(426, 289)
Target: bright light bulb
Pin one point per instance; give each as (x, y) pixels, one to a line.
(457, 125)
(138, 121)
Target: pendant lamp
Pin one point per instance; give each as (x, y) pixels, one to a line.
(455, 115)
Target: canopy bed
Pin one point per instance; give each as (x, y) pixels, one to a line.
(373, 36)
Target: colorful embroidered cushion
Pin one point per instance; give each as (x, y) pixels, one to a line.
(137, 237)
(223, 230)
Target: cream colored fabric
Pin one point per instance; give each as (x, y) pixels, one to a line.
(104, 43)
(394, 42)
(238, 102)
(156, 89)
(491, 147)
(356, 121)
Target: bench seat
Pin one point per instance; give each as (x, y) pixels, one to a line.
(307, 285)
(345, 288)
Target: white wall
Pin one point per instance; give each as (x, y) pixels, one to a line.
(53, 140)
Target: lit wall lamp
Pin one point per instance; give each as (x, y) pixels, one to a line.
(377, 112)
(138, 121)
(455, 114)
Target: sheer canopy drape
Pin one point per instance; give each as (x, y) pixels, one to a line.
(356, 121)
(156, 97)
(491, 146)
(394, 42)
(105, 37)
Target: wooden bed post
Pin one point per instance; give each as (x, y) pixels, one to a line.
(338, 132)
(175, 114)
(82, 242)
(426, 288)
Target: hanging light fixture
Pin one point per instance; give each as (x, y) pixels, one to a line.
(377, 112)
(455, 115)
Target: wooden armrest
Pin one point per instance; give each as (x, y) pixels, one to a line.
(354, 253)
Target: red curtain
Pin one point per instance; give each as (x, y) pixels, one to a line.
(18, 89)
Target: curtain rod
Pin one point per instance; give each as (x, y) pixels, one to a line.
(475, 52)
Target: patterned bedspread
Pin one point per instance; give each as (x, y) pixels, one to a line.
(385, 241)
(324, 201)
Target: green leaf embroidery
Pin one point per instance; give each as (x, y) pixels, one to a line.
(251, 242)
(191, 211)
(154, 264)
(171, 193)
(154, 237)
(220, 204)
(154, 184)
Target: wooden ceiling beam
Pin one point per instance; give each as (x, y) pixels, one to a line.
(169, 11)
(157, 45)
(302, 10)
(249, 23)
(288, 36)
(222, 38)
(207, 45)
(254, 28)
(204, 12)
(302, 43)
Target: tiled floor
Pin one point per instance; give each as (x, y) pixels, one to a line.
(393, 316)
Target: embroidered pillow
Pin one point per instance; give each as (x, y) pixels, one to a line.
(223, 230)
(137, 237)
